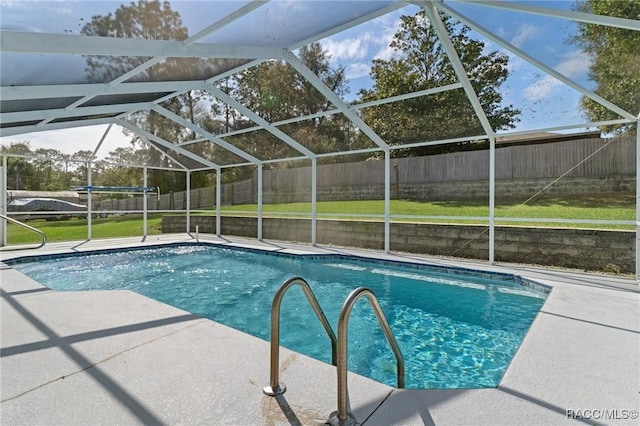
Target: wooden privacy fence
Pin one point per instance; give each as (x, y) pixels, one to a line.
(465, 174)
(548, 160)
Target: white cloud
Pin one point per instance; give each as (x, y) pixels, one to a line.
(350, 48)
(573, 66)
(385, 53)
(541, 89)
(360, 45)
(366, 42)
(523, 34)
(357, 70)
(384, 38)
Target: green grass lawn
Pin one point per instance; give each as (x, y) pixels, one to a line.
(612, 207)
(584, 208)
(76, 229)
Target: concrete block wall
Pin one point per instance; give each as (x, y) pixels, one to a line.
(591, 250)
(177, 224)
(459, 190)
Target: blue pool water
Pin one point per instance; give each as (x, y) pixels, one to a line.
(455, 330)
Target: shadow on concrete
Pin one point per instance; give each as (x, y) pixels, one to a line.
(21, 292)
(591, 322)
(592, 280)
(75, 338)
(80, 244)
(128, 401)
(287, 410)
(420, 401)
(545, 404)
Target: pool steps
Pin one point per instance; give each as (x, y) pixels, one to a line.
(275, 387)
(339, 349)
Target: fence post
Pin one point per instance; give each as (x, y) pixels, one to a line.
(638, 199)
(3, 201)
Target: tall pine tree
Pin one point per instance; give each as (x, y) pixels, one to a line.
(421, 63)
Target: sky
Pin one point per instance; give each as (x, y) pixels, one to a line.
(543, 100)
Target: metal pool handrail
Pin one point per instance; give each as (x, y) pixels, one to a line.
(275, 387)
(342, 416)
(30, 228)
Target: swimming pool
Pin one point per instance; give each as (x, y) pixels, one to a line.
(456, 328)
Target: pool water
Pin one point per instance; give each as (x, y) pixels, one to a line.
(455, 330)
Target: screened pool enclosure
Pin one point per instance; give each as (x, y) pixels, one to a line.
(333, 118)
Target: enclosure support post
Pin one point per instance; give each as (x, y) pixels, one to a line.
(492, 198)
(188, 199)
(436, 22)
(104, 136)
(89, 199)
(144, 203)
(638, 199)
(218, 199)
(387, 197)
(3, 200)
(314, 200)
(260, 202)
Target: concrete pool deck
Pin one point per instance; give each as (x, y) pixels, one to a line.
(115, 357)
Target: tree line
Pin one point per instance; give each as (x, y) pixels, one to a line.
(276, 92)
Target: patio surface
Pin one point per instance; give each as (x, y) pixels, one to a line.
(119, 358)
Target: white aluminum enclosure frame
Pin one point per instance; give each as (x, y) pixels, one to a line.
(78, 113)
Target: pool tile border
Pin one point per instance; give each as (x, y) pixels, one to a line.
(453, 270)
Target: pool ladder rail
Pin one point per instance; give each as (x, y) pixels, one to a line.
(339, 352)
(275, 387)
(30, 228)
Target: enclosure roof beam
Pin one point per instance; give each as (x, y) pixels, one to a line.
(202, 85)
(366, 18)
(325, 91)
(569, 82)
(200, 131)
(73, 160)
(13, 117)
(102, 139)
(164, 153)
(352, 152)
(406, 96)
(458, 67)
(233, 71)
(227, 166)
(12, 93)
(442, 141)
(20, 130)
(353, 107)
(259, 120)
(171, 146)
(566, 127)
(223, 22)
(587, 18)
(186, 44)
(28, 42)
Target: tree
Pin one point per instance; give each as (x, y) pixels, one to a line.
(615, 54)
(50, 169)
(80, 172)
(422, 63)
(119, 173)
(20, 172)
(157, 21)
(276, 91)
